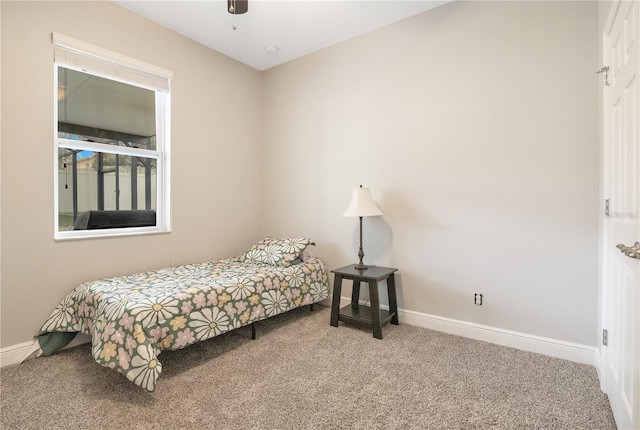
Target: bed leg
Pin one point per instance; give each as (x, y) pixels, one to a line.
(311, 307)
(253, 331)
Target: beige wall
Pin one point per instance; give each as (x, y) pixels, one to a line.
(476, 127)
(216, 157)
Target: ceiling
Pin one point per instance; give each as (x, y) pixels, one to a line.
(273, 32)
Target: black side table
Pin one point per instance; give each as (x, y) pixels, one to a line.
(356, 312)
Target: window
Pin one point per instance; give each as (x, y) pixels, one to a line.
(111, 143)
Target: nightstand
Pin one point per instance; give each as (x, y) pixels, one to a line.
(355, 312)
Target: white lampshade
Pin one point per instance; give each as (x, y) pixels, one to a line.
(362, 204)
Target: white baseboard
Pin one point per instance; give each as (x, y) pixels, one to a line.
(14, 354)
(17, 353)
(526, 342)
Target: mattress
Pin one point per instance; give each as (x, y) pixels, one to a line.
(132, 319)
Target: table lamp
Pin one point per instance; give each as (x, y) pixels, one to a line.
(361, 205)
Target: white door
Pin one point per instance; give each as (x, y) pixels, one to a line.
(621, 272)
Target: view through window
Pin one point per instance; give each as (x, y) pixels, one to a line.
(111, 154)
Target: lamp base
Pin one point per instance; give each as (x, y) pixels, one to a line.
(363, 266)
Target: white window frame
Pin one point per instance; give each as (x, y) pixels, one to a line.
(76, 55)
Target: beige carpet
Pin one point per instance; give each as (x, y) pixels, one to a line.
(301, 373)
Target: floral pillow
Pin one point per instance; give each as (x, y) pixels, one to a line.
(276, 252)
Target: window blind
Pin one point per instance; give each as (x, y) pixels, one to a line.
(92, 59)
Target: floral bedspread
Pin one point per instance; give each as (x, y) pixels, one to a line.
(132, 319)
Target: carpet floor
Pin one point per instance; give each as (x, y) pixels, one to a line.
(301, 373)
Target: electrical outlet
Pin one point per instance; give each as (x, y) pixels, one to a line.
(477, 299)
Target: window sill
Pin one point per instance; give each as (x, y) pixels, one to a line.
(64, 236)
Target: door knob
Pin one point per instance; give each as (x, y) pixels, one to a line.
(630, 251)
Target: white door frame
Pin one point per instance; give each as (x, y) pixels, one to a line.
(607, 302)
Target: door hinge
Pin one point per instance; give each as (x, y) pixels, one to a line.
(606, 207)
(605, 337)
(605, 70)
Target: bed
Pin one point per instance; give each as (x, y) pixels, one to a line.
(132, 319)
